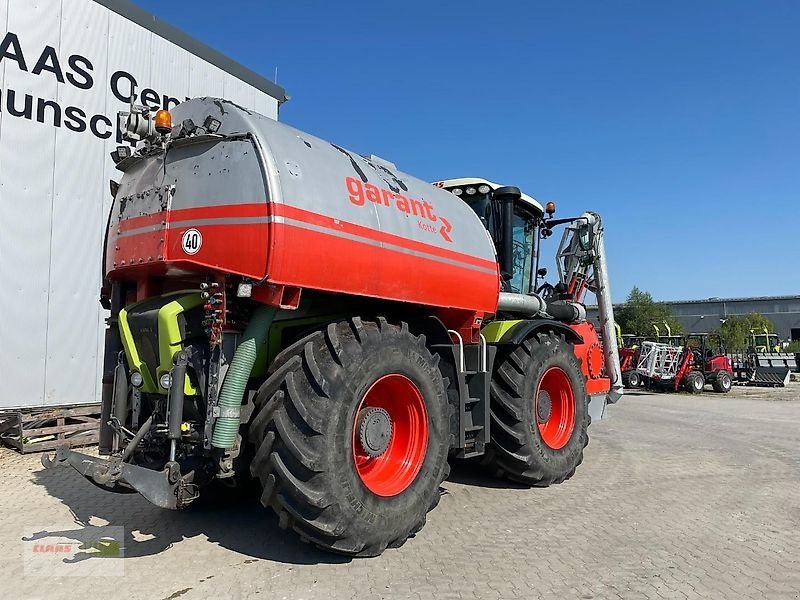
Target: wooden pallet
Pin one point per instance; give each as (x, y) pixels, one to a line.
(41, 429)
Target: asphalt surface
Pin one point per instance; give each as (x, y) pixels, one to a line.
(678, 497)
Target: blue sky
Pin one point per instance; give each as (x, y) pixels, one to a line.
(678, 121)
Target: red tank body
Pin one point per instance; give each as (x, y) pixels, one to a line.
(290, 212)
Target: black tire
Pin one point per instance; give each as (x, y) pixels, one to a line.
(694, 382)
(722, 382)
(303, 434)
(635, 380)
(517, 450)
(626, 380)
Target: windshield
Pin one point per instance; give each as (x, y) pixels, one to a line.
(481, 204)
(768, 341)
(524, 231)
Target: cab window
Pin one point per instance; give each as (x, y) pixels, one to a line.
(523, 234)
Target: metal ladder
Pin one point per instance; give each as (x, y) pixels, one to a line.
(473, 379)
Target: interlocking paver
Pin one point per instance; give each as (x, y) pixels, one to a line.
(679, 497)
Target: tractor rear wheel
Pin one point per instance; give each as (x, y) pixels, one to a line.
(351, 434)
(722, 382)
(539, 412)
(694, 382)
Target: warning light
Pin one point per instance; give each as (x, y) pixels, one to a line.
(163, 122)
(550, 207)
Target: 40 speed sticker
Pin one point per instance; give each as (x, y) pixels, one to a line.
(192, 241)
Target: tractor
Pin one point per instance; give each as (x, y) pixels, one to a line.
(764, 363)
(288, 315)
(710, 361)
(688, 366)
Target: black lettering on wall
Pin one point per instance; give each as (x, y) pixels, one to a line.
(75, 119)
(10, 48)
(123, 86)
(94, 126)
(48, 61)
(81, 76)
(150, 98)
(170, 102)
(27, 111)
(44, 104)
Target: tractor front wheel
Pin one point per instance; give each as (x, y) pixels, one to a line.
(351, 434)
(722, 382)
(539, 412)
(694, 382)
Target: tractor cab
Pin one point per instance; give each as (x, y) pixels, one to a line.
(705, 346)
(764, 342)
(512, 222)
(708, 356)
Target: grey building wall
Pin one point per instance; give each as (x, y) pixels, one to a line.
(698, 316)
(705, 315)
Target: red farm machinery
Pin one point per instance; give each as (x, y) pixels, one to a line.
(286, 312)
(700, 360)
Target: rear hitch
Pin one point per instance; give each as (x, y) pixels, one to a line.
(165, 489)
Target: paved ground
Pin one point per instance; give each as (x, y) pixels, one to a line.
(679, 497)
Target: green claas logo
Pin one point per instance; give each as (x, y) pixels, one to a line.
(107, 548)
(103, 548)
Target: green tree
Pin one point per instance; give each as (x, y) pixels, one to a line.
(735, 332)
(640, 312)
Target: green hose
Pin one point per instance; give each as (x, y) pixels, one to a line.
(226, 426)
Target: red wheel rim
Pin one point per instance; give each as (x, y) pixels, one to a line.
(557, 428)
(395, 469)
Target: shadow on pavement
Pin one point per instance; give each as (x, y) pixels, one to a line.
(239, 524)
(473, 474)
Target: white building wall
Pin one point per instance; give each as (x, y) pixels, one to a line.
(54, 182)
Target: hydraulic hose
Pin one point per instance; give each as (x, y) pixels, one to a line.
(226, 426)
